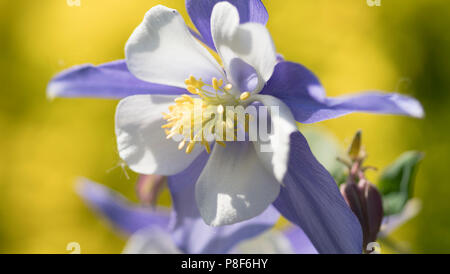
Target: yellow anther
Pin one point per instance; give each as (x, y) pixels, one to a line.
(187, 98)
(244, 96)
(173, 133)
(200, 83)
(227, 87)
(220, 82)
(169, 125)
(181, 145)
(179, 100)
(192, 89)
(190, 147)
(215, 84)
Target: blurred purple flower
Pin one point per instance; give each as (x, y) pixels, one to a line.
(239, 182)
(155, 231)
(150, 232)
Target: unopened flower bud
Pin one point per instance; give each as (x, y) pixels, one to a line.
(354, 151)
(365, 201)
(148, 188)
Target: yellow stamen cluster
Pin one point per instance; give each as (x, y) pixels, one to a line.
(204, 113)
(217, 93)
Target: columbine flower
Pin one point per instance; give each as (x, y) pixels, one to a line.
(234, 181)
(155, 231)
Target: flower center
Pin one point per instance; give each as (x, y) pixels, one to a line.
(211, 114)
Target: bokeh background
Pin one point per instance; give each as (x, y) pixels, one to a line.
(46, 145)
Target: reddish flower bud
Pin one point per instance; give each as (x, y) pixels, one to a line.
(365, 201)
(374, 208)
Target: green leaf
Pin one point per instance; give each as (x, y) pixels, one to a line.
(396, 183)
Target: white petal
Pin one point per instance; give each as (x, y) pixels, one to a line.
(249, 42)
(274, 152)
(151, 241)
(162, 50)
(141, 141)
(234, 185)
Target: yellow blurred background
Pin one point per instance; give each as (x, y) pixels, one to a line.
(45, 145)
